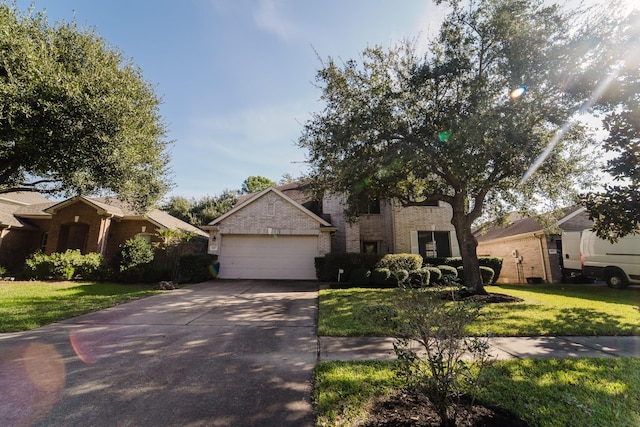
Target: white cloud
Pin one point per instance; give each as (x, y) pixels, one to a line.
(271, 18)
(255, 141)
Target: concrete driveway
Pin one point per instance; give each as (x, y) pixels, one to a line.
(221, 353)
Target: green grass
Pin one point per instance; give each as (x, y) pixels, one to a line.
(28, 305)
(543, 392)
(547, 310)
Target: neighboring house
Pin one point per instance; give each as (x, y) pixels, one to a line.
(29, 222)
(527, 249)
(277, 233)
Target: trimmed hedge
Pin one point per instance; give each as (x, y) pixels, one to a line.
(487, 274)
(435, 275)
(495, 263)
(447, 270)
(327, 266)
(360, 276)
(421, 277)
(66, 265)
(396, 262)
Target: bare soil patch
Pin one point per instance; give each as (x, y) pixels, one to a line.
(490, 298)
(412, 409)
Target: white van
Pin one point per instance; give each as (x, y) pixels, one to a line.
(616, 263)
(571, 260)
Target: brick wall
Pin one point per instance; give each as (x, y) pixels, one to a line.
(66, 216)
(347, 236)
(270, 214)
(422, 218)
(378, 228)
(536, 262)
(119, 231)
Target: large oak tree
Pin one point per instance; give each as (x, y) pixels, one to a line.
(76, 117)
(448, 126)
(616, 208)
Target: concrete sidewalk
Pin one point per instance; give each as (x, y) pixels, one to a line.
(381, 348)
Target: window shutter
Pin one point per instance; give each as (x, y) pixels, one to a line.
(415, 248)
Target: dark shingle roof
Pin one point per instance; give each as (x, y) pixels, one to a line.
(517, 225)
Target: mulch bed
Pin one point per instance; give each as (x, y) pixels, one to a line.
(412, 409)
(490, 298)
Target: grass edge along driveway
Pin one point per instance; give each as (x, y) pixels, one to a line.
(547, 310)
(29, 305)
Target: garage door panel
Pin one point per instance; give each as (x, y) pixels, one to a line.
(268, 257)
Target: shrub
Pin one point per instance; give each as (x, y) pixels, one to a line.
(435, 275)
(438, 368)
(493, 262)
(360, 276)
(196, 267)
(401, 276)
(487, 274)
(449, 271)
(134, 259)
(92, 266)
(3, 271)
(37, 266)
(382, 277)
(327, 267)
(58, 265)
(395, 262)
(420, 278)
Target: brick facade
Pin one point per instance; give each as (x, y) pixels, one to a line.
(422, 218)
(391, 229)
(537, 256)
(270, 214)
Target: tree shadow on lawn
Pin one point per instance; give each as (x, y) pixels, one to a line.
(567, 391)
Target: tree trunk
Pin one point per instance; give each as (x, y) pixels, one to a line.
(468, 244)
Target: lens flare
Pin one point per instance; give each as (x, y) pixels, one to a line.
(214, 269)
(516, 93)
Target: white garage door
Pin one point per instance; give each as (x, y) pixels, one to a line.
(268, 257)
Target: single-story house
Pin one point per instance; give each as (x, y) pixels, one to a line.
(528, 250)
(278, 232)
(29, 222)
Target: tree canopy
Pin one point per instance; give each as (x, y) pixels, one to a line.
(75, 116)
(201, 211)
(616, 209)
(253, 184)
(482, 121)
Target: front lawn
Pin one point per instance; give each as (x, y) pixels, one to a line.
(547, 310)
(28, 305)
(543, 392)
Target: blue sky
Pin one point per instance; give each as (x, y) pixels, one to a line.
(236, 76)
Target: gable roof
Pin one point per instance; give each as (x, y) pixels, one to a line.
(256, 196)
(10, 203)
(573, 218)
(108, 206)
(23, 198)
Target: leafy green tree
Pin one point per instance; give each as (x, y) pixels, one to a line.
(180, 207)
(75, 116)
(209, 208)
(450, 125)
(616, 209)
(173, 244)
(253, 184)
(201, 211)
